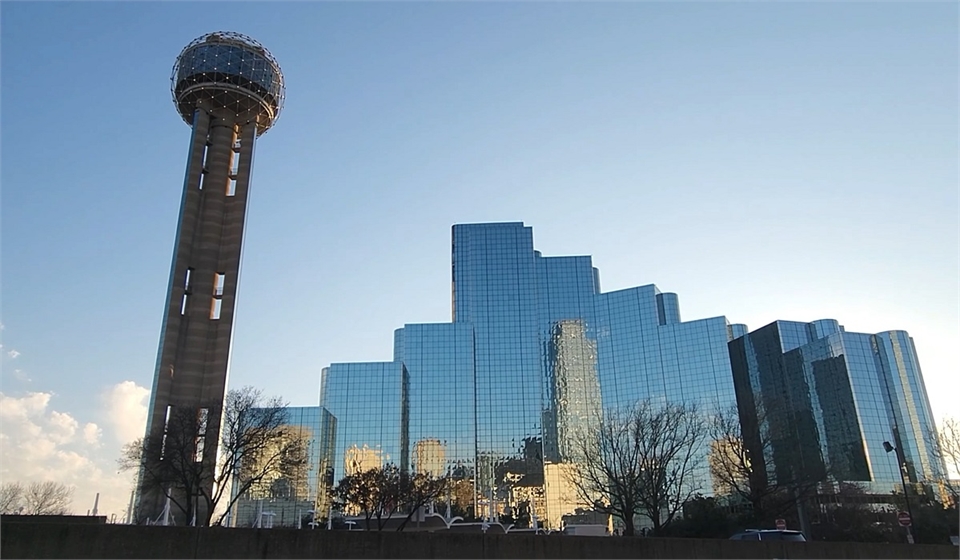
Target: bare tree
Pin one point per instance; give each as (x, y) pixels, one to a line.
(946, 446)
(606, 471)
(672, 438)
(178, 473)
(255, 441)
(47, 498)
(641, 461)
(11, 497)
(738, 466)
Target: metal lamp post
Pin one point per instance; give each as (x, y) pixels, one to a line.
(900, 464)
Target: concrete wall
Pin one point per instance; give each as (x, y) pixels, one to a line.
(26, 540)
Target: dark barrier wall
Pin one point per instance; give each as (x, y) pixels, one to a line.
(35, 540)
(85, 519)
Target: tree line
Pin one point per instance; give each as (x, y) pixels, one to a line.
(651, 462)
(36, 498)
(645, 464)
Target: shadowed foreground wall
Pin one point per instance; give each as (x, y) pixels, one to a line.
(35, 540)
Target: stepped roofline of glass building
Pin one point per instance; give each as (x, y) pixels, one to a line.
(535, 353)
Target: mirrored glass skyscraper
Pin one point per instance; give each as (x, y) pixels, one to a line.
(534, 354)
(826, 400)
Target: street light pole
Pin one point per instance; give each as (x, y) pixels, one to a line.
(900, 464)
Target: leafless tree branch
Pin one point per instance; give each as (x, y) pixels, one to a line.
(255, 441)
(641, 461)
(11, 497)
(47, 498)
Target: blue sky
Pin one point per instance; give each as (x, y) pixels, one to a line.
(763, 160)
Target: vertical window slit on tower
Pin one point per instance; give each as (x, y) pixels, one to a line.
(218, 281)
(232, 186)
(203, 160)
(186, 290)
(235, 159)
(202, 415)
(166, 429)
(215, 308)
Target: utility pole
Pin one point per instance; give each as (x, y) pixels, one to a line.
(901, 463)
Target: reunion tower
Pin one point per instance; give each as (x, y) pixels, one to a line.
(229, 89)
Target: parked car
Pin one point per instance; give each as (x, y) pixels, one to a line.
(769, 535)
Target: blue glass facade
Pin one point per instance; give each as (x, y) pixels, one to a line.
(438, 359)
(535, 352)
(830, 398)
(368, 406)
(495, 293)
(646, 352)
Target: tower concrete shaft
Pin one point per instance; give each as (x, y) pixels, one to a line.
(193, 358)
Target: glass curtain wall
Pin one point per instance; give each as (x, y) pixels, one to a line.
(831, 398)
(367, 406)
(536, 352)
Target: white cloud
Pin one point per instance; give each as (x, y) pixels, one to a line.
(20, 376)
(61, 427)
(40, 444)
(125, 406)
(28, 406)
(13, 353)
(92, 433)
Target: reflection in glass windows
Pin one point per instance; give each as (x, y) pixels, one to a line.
(573, 405)
(536, 353)
(832, 397)
(366, 403)
(289, 490)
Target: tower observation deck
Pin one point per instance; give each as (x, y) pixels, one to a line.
(230, 90)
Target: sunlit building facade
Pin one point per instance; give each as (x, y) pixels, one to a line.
(429, 458)
(826, 400)
(534, 354)
(561, 498)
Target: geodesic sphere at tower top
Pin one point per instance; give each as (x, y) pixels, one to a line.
(228, 71)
